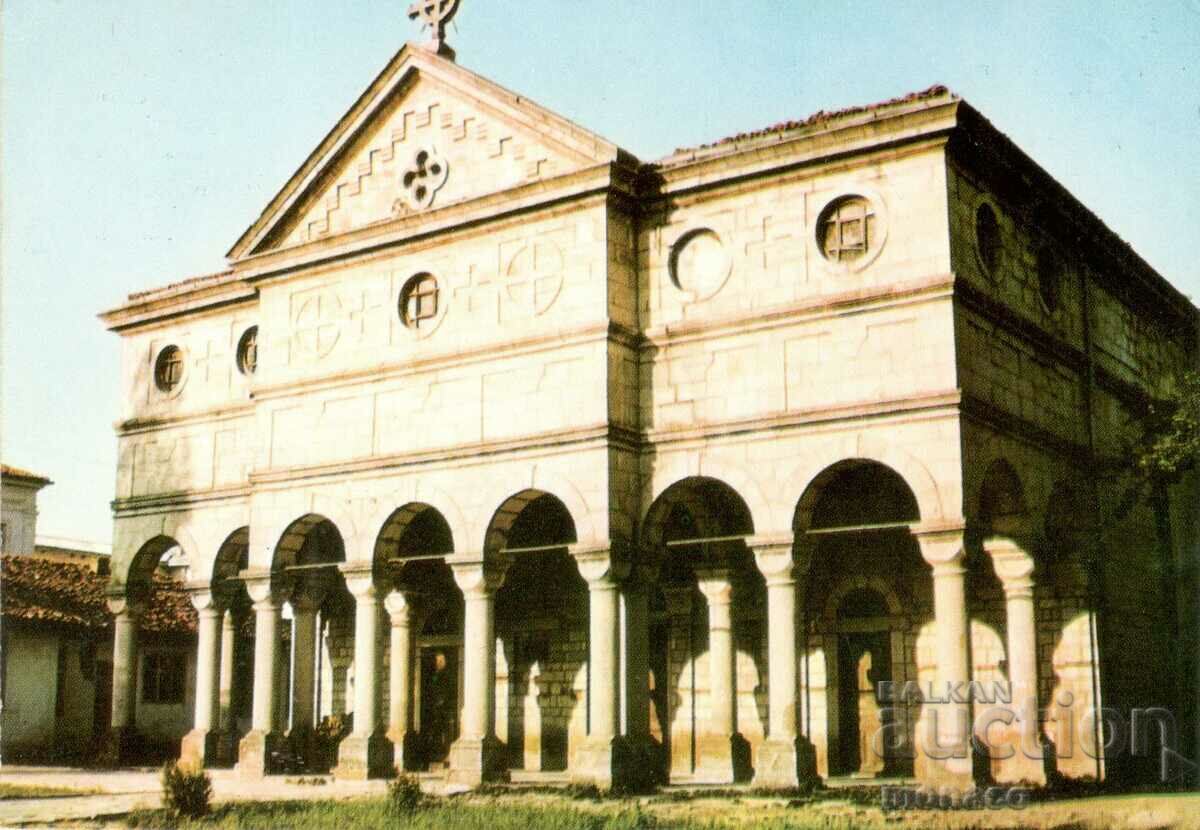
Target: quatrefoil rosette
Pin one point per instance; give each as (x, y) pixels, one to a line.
(423, 178)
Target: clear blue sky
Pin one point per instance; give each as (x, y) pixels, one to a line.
(141, 137)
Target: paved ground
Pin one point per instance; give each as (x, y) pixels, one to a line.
(116, 792)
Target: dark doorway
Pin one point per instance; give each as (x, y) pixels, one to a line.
(439, 703)
(864, 660)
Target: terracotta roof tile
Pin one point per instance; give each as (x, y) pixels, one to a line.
(38, 590)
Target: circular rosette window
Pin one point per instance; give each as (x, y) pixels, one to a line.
(423, 178)
(700, 263)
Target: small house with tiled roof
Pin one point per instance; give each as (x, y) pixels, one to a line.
(56, 644)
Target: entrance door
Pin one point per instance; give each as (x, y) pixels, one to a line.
(439, 702)
(864, 660)
(102, 702)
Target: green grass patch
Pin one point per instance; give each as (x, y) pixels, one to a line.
(367, 814)
(12, 791)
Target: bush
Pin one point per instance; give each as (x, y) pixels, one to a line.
(404, 795)
(186, 791)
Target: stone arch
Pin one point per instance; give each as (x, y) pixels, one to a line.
(416, 492)
(859, 582)
(141, 568)
(232, 557)
(1001, 498)
(133, 549)
(714, 507)
(903, 504)
(291, 542)
(916, 475)
(415, 516)
(505, 520)
(749, 489)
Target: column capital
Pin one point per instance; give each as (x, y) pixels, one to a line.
(203, 598)
(120, 604)
(775, 559)
(401, 605)
(1013, 563)
(942, 546)
(265, 587)
(600, 565)
(360, 580)
(476, 575)
(716, 583)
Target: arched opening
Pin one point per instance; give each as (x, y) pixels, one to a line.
(707, 632)
(542, 629)
(160, 690)
(410, 558)
(868, 613)
(236, 643)
(314, 655)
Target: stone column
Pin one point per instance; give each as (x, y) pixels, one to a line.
(366, 751)
(258, 751)
(303, 672)
(944, 738)
(477, 755)
(200, 746)
(784, 759)
(1015, 568)
(401, 610)
(719, 744)
(121, 742)
(646, 761)
(227, 714)
(599, 757)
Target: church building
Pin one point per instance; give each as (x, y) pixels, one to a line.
(796, 455)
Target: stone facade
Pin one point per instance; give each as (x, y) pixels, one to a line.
(650, 470)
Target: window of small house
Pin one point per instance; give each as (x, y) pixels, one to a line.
(163, 677)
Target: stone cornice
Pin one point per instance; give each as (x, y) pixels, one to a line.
(867, 132)
(186, 298)
(937, 404)
(816, 308)
(167, 502)
(216, 414)
(581, 336)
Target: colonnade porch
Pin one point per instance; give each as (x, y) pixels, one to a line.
(625, 728)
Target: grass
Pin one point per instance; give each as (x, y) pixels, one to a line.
(703, 811)
(12, 791)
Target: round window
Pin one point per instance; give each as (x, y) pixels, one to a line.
(419, 301)
(987, 238)
(1049, 276)
(168, 369)
(846, 229)
(247, 351)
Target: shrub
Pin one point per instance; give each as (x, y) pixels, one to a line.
(404, 795)
(186, 791)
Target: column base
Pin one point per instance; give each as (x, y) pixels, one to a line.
(623, 765)
(121, 746)
(785, 765)
(722, 759)
(200, 748)
(260, 753)
(364, 756)
(474, 761)
(957, 773)
(405, 752)
(227, 748)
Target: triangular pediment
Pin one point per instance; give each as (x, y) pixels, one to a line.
(426, 134)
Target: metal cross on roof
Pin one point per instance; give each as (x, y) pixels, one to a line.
(435, 14)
